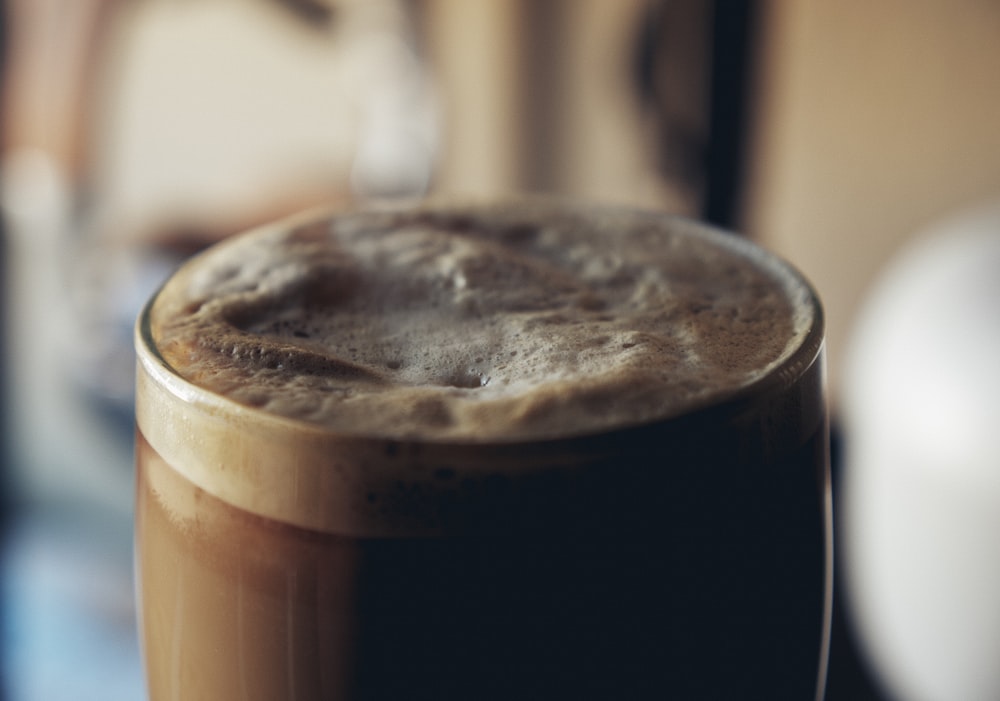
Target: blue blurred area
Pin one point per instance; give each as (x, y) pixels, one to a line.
(69, 620)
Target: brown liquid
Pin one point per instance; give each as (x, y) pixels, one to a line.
(682, 556)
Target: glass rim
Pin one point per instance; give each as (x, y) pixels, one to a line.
(777, 378)
(192, 429)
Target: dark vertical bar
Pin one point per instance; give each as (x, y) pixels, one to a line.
(733, 31)
(671, 65)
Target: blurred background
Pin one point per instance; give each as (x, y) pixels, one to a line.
(860, 139)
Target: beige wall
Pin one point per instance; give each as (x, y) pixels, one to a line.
(876, 117)
(539, 96)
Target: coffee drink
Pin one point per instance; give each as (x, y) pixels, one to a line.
(530, 450)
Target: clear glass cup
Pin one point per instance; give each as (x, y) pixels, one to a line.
(688, 557)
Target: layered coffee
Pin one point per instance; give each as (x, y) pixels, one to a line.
(523, 450)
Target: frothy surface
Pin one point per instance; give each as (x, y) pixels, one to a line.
(480, 322)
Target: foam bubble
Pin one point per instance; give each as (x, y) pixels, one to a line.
(480, 322)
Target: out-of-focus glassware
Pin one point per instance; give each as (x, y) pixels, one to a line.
(921, 498)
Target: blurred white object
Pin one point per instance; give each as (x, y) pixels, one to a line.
(218, 106)
(921, 492)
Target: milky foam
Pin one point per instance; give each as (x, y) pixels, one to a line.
(481, 322)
